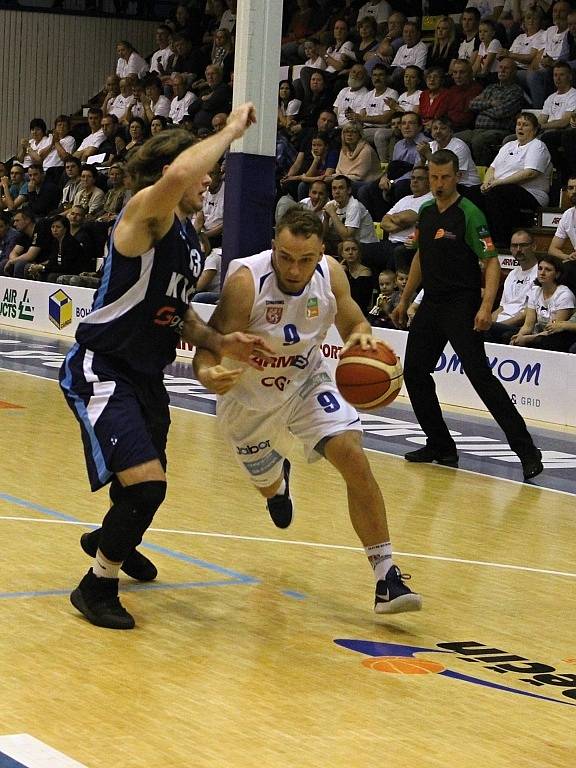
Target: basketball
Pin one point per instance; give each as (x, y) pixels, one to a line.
(369, 378)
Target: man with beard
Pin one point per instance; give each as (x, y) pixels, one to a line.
(352, 98)
(112, 377)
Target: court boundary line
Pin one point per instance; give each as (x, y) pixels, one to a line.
(369, 450)
(301, 543)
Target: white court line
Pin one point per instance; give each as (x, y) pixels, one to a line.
(292, 542)
(476, 473)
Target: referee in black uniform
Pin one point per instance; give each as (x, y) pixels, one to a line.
(453, 237)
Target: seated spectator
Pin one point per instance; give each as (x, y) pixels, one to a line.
(565, 235)
(108, 94)
(351, 98)
(155, 102)
(340, 55)
(470, 23)
(188, 20)
(8, 238)
(228, 20)
(456, 104)
(496, 110)
(64, 257)
(322, 166)
(517, 182)
(160, 59)
(409, 100)
(443, 138)
(288, 106)
(386, 301)
(30, 148)
(432, 99)
(89, 234)
(33, 242)
(14, 192)
(43, 195)
(210, 219)
(219, 99)
(129, 61)
(345, 217)
(414, 52)
(120, 104)
(318, 197)
(188, 61)
(394, 183)
(557, 111)
(397, 249)
(117, 195)
(223, 53)
(538, 78)
(379, 10)
(525, 47)
(548, 303)
(90, 196)
(71, 182)
(300, 26)
(208, 285)
(136, 108)
(367, 41)
(375, 114)
(390, 43)
(182, 100)
(358, 161)
(484, 61)
(312, 51)
(511, 313)
(62, 145)
(489, 9)
(114, 142)
(360, 278)
(138, 133)
(90, 144)
(158, 124)
(318, 99)
(385, 140)
(444, 49)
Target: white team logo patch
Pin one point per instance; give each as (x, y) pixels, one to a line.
(274, 313)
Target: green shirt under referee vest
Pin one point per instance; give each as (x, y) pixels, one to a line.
(450, 244)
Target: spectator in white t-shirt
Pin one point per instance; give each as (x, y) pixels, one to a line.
(228, 19)
(511, 312)
(62, 144)
(484, 61)
(314, 58)
(182, 100)
(557, 110)
(469, 21)
(208, 285)
(345, 217)
(129, 61)
(526, 46)
(566, 230)
(160, 60)
(90, 144)
(350, 100)
(414, 52)
(379, 9)
(120, 104)
(210, 219)
(375, 113)
(488, 8)
(29, 149)
(155, 102)
(518, 180)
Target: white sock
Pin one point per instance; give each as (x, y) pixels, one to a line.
(104, 568)
(282, 489)
(380, 557)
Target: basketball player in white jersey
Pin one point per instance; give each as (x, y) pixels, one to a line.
(290, 296)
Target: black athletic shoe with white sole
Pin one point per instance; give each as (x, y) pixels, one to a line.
(98, 600)
(280, 506)
(393, 596)
(136, 565)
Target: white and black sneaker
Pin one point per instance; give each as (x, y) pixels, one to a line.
(393, 596)
(280, 506)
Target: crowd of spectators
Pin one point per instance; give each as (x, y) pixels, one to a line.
(367, 101)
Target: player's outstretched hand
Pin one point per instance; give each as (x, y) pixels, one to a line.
(366, 341)
(247, 348)
(218, 379)
(241, 119)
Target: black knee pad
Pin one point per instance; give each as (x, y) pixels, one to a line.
(131, 514)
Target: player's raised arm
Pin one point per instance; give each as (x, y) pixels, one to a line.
(149, 213)
(350, 322)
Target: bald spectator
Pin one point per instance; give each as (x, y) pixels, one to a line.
(14, 188)
(111, 90)
(183, 99)
(219, 121)
(120, 104)
(219, 99)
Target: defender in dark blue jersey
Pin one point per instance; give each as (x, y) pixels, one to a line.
(113, 376)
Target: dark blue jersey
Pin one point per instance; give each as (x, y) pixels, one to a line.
(139, 308)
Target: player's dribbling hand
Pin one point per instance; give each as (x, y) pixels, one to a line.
(218, 379)
(247, 348)
(366, 341)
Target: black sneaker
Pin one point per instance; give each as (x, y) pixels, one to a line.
(393, 596)
(98, 600)
(280, 506)
(428, 455)
(532, 464)
(136, 565)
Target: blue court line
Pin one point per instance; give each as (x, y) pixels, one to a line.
(233, 577)
(290, 593)
(9, 762)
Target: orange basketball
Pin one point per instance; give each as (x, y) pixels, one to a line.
(369, 378)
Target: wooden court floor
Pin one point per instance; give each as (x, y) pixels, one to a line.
(234, 660)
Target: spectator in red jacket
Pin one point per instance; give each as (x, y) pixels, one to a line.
(457, 100)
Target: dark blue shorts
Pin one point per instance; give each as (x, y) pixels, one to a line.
(124, 419)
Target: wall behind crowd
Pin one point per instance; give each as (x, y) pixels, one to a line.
(52, 63)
